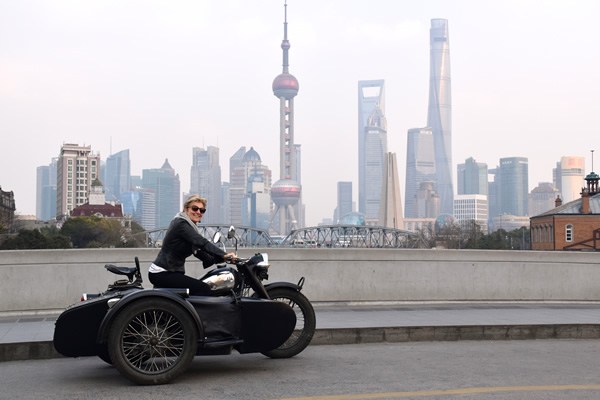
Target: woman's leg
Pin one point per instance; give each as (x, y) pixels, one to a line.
(176, 280)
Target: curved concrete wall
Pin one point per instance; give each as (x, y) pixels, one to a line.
(53, 279)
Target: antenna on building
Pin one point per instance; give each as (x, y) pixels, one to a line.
(592, 151)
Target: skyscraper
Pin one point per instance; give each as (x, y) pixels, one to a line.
(569, 177)
(509, 190)
(117, 175)
(248, 176)
(472, 177)
(542, 198)
(390, 211)
(46, 191)
(439, 115)
(344, 200)
(286, 192)
(165, 185)
(205, 180)
(372, 146)
(420, 167)
(77, 168)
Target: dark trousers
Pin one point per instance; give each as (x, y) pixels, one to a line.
(178, 280)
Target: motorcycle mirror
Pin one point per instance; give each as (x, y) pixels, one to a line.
(231, 232)
(217, 237)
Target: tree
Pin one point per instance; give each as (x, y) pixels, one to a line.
(94, 231)
(89, 232)
(36, 239)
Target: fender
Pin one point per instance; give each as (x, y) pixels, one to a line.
(139, 294)
(294, 286)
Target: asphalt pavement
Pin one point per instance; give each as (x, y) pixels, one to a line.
(26, 336)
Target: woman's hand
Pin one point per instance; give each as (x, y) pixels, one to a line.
(230, 257)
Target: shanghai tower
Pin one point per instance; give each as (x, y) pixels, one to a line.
(439, 114)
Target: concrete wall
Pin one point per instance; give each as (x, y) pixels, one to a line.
(53, 279)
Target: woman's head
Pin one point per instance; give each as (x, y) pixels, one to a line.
(195, 207)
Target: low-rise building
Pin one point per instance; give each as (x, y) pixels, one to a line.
(571, 226)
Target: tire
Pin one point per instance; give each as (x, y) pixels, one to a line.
(152, 341)
(305, 322)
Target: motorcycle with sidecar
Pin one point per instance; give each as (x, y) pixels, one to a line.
(151, 335)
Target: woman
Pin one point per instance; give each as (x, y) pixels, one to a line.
(181, 241)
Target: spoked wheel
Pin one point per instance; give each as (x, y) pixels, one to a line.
(305, 322)
(152, 341)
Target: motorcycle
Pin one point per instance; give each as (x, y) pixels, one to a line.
(152, 335)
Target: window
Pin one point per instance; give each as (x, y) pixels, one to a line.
(569, 233)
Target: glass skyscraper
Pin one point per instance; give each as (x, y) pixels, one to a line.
(472, 177)
(439, 115)
(344, 200)
(205, 180)
(46, 191)
(164, 183)
(509, 191)
(420, 167)
(117, 175)
(372, 146)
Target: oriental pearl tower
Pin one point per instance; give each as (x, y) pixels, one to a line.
(285, 193)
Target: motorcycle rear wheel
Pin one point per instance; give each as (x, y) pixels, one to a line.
(152, 341)
(305, 322)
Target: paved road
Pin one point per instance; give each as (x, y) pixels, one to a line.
(488, 370)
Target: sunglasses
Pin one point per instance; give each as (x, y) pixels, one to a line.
(196, 209)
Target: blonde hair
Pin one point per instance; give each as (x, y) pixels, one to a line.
(194, 198)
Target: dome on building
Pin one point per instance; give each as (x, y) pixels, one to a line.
(353, 218)
(444, 221)
(285, 192)
(285, 85)
(251, 156)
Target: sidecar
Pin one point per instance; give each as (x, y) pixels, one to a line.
(152, 335)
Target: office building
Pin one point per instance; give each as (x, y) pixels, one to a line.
(439, 115)
(427, 201)
(76, 169)
(390, 210)
(471, 208)
(164, 183)
(420, 166)
(344, 200)
(569, 177)
(248, 174)
(117, 175)
(472, 177)
(542, 198)
(372, 147)
(509, 190)
(45, 199)
(205, 180)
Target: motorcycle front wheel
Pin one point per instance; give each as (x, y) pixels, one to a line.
(152, 341)
(305, 322)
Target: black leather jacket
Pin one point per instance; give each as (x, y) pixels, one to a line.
(180, 242)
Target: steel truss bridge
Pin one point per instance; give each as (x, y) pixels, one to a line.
(316, 236)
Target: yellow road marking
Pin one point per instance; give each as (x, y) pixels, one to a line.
(426, 393)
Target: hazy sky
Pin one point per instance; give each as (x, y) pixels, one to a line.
(160, 77)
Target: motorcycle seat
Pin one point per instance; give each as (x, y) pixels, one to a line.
(127, 271)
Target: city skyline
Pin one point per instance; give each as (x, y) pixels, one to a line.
(153, 80)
